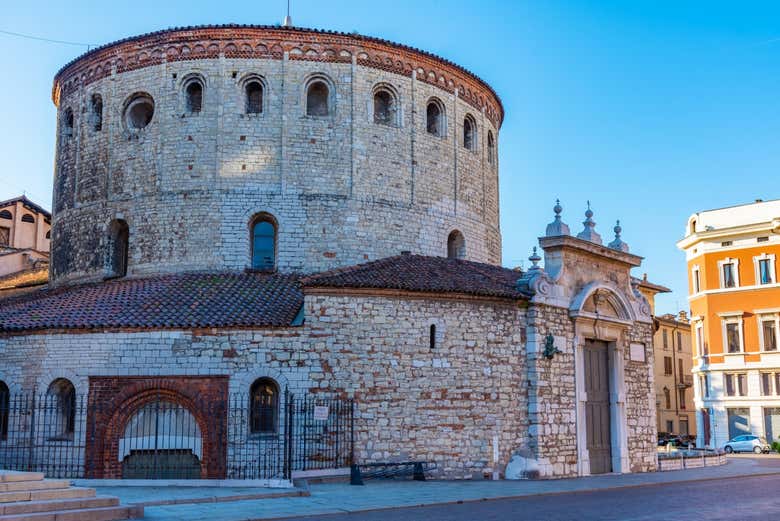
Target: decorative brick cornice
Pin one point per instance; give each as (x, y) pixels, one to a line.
(258, 41)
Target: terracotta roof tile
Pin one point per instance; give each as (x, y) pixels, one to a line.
(421, 273)
(173, 301)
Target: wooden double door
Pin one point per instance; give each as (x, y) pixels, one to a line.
(597, 406)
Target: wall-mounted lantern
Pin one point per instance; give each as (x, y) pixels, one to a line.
(549, 347)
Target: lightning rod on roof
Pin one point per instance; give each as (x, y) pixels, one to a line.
(287, 19)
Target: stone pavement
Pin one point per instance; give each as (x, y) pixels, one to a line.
(340, 498)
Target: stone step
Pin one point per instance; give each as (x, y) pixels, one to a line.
(27, 507)
(46, 494)
(87, 514)
(44, 484)
(12, 475)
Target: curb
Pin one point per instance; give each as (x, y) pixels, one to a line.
(221, 499)
(522, 496)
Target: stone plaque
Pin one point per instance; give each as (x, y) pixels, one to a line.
(637, 353)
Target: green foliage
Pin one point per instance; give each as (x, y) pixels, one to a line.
(776, 446)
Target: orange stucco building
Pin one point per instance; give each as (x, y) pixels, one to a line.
(734, 298)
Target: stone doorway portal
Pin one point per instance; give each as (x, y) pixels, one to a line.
(597, 406)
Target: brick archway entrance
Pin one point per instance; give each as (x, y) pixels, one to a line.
(115, 400)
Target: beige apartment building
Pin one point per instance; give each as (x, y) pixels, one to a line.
(25, 235)
(673, 354)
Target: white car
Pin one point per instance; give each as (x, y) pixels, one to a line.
(747, 443)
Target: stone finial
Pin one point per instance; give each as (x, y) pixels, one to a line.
(618, 243)
(534, 258)
(557, 227)
(589, 232)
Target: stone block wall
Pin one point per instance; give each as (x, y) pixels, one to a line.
(451, 404)
(343, 188)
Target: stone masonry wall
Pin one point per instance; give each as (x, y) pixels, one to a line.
(446, 404)
(343, 188)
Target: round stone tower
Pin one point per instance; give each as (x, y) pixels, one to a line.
(274, 148)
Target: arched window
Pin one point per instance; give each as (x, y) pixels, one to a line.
(118, 248)
(139, 111)
(456, 245)
(469, 133)
(28, 218)
(317, 99)
(254, 97)
(434, 122)
(491, 148)
(5, 214)
(5, 409)
(193, 91)
(48, 234)
(96, 112)
(68, 122)
(61, 409)
(385, 109)
(263, 406)
(264, 243)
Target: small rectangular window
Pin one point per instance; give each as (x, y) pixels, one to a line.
(679, 341)
(764, 271)
(666, 339)
(762, 239)
(742, 384)
(766, 384)
(726, 243)
(770, 335)
(696, 282)
(728, 275)
(729, 384)
(732, 338)
(667, 365)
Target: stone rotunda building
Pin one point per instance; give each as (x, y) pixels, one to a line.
(283, 244)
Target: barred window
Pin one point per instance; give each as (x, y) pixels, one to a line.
(263, 406)
(61, 409)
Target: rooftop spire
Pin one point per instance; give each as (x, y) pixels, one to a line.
(618, 243)
(287, 19)
(557, 227)
(589, 232)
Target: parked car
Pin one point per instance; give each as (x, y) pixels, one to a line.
(663, 438)
(747, 443)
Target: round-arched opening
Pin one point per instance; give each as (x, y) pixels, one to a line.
(456, 245)
(317, 99)
(254, 97)
(263, 406)
(162, 440)
(139, 112)
(434, 114)
(469, 133)
(194, 95)
(384, 108)
(5, 410)
(263, 239)
(60, 409)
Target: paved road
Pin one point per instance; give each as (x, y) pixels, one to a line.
(738, 499)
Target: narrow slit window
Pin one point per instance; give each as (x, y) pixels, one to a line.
(432, 336)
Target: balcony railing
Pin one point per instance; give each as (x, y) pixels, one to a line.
(686, 380)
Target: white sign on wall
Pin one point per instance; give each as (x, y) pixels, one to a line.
(637, 352)
(321, 412)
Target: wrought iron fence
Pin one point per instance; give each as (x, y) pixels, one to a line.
(67, 436)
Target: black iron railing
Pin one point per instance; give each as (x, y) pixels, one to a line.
(238, 438)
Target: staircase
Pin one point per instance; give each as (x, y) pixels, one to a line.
(27, 496)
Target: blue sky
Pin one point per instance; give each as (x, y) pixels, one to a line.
(652, 110)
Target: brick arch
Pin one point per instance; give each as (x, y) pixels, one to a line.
(115, 400)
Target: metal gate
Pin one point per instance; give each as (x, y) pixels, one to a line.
(163, 440)
(597, 409)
